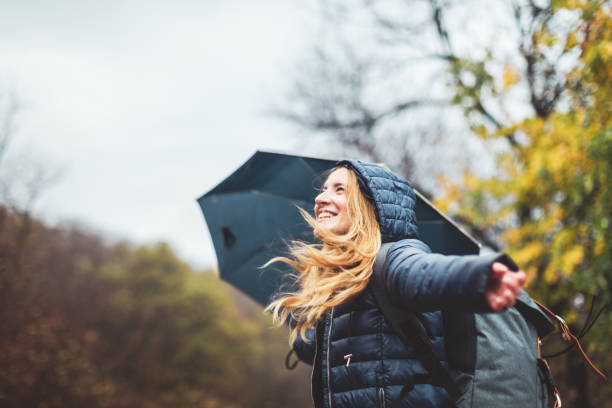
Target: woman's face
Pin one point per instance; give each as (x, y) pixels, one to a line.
(331, 207)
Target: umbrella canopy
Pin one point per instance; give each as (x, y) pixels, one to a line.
(253, 213)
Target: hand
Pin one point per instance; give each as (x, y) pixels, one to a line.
(503, 287)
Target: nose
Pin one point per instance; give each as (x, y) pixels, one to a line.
(322, 198)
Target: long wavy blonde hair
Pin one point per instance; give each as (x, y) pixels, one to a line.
(333, 271)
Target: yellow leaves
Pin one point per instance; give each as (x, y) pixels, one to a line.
(550, 275)
(600, 246)
(529, 253)
(565, 264)
(569, 4)
(598, 24)
(542, 179)
(451, 194)
(571, 41)
(599, 55)
(566, 253)
(557, 154)
(606, 49)
(531, 272)
(544, 38)
(470, 180)
(511, 76)
(512, 236)
(595, 40)
(571, 259)
(481, 131)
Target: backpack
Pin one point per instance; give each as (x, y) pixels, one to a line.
(494, 358)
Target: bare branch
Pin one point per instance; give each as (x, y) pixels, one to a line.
(7, 121)
(544, 81)
(450, 56)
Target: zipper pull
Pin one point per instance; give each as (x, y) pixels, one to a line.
(348, 359)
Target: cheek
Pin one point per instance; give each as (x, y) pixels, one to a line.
(344, 224)
(346, 216)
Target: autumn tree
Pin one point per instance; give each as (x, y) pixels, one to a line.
(409, 83)
(551, 194)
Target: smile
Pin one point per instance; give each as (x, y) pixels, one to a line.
(323, 215)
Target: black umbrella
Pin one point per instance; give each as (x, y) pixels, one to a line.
(253, 213)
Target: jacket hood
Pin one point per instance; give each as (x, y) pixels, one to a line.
(393, 198)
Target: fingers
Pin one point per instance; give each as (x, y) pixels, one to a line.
(521, 277)
(498, 303)
(498, 270)
(513, 281)
(504, 286)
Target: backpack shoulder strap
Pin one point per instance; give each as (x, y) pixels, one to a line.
(408, 327)
(534, 313)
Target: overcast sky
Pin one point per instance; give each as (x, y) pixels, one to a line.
(146, 105)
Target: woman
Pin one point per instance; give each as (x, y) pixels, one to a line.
(357, 359)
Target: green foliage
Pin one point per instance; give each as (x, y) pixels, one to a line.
(472, 81)
(88, 324)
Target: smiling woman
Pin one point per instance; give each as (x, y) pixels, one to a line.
(337, 325)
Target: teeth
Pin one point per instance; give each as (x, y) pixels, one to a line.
(325, 214)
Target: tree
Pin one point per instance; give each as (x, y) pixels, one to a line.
(523, 84)
(23, 178)
(551, 192)
(414, 85)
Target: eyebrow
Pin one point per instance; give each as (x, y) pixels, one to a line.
(335, 185)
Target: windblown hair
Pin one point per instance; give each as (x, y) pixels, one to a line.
(333, 271)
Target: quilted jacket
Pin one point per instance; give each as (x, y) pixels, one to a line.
(357, 359)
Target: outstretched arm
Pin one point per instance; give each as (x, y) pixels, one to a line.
(418, 280)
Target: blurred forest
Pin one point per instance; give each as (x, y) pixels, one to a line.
(503, 116)
(88, 324)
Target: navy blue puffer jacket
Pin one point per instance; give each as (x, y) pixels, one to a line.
(357, 359)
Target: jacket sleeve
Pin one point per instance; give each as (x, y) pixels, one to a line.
(419, 280)
(305, 350)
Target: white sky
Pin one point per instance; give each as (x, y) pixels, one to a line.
(146, 105)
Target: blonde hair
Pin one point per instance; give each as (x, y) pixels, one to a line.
(333, 271)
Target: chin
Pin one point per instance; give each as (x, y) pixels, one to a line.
(332, 227)
(327, 227)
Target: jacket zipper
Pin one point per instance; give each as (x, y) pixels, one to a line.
(381, 397)
(331, 322)
(312, 373)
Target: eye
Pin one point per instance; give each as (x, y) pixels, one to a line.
(340, 188)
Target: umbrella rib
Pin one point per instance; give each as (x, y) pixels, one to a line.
(291, 200)
(309, 167)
